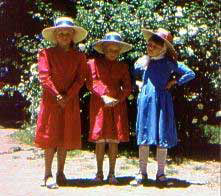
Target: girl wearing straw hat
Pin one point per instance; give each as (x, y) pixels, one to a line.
(61, 73)
(155, 123)
(110, 85)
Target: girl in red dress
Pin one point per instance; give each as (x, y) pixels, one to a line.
(61, 73)
(110, 85)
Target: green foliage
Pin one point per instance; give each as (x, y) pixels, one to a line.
(194, 25)
(212, 133)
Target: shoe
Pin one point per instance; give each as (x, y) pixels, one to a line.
(99, 177)
(61, 179)
(50, 182)
(161, 179)
(139, 179)
(112, 179)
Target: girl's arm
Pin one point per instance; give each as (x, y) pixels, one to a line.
(92, 82)
(126, 83)
(140, 66)
(44, 73)
(186, 73)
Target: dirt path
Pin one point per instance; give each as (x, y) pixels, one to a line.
(21, 171)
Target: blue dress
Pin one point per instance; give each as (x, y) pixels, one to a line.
(155, 124)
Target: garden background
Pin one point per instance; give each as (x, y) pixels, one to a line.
(194, 24)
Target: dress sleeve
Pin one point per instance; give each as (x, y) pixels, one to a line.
(45, 74)
(186, 73)
(79, 78)
(139, 67)
(126, 84)
(93, 84)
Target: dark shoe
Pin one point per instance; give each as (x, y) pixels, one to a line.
(50, 182)
(112, 179)
(99, 177)
(161, 179)
(61, 179)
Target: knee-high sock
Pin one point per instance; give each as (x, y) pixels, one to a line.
(161, 160)
(143, 158)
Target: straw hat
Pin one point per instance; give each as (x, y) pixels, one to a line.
(64, 22)
(163, 34)
(112, 37)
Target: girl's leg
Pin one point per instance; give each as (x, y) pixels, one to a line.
(143, 158)
(61, 157)
(49, 181)
(49, 155)
(113, 151)
(100, 151)
(161, 160)
(62, 153)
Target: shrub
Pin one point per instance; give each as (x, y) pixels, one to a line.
(194, 25)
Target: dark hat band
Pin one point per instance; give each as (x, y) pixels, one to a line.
(61, 23)
(112, 38)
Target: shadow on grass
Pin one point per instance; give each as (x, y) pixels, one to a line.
(124, 181)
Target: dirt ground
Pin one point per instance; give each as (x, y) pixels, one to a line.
(22, 168)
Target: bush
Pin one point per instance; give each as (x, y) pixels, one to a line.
(194, 25)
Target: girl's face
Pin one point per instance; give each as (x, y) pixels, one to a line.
(64, 36)
(154, 49)
(111, 51)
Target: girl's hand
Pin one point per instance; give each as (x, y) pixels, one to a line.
(109, 101)
(170, 84)
(139, 84)
(61, 99)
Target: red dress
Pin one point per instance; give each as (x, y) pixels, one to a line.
(60, 72)
(108, 78)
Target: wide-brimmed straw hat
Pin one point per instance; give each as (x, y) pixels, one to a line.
(65, 22)
(112, 37)
(163, 34)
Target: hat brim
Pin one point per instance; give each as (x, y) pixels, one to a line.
(79, 35)
(125, 47)
(148, 34)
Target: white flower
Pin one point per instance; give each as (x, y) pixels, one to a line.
(218, 113)
(179, 12)
(192, 30)
(190, 51)
(182, 31)
(200, 106)
(205, 118)
(81, 47)
(208, 54)
(194, 121)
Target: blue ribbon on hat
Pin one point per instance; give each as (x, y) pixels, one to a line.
(112, 38)
(64, 23)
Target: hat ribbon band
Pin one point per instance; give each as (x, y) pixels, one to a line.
(61, 23)
(113, 38)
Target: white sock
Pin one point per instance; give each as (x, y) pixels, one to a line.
(161, 160)
(143, 158)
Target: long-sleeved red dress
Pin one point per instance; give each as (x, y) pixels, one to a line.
(60, 72)
(108, 78)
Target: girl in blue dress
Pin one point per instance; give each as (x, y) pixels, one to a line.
(155, 123)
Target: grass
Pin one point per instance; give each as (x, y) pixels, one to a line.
(27, 132)
(213, 133)
(25, 135)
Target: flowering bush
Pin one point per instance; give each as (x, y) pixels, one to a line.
(194, 25)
